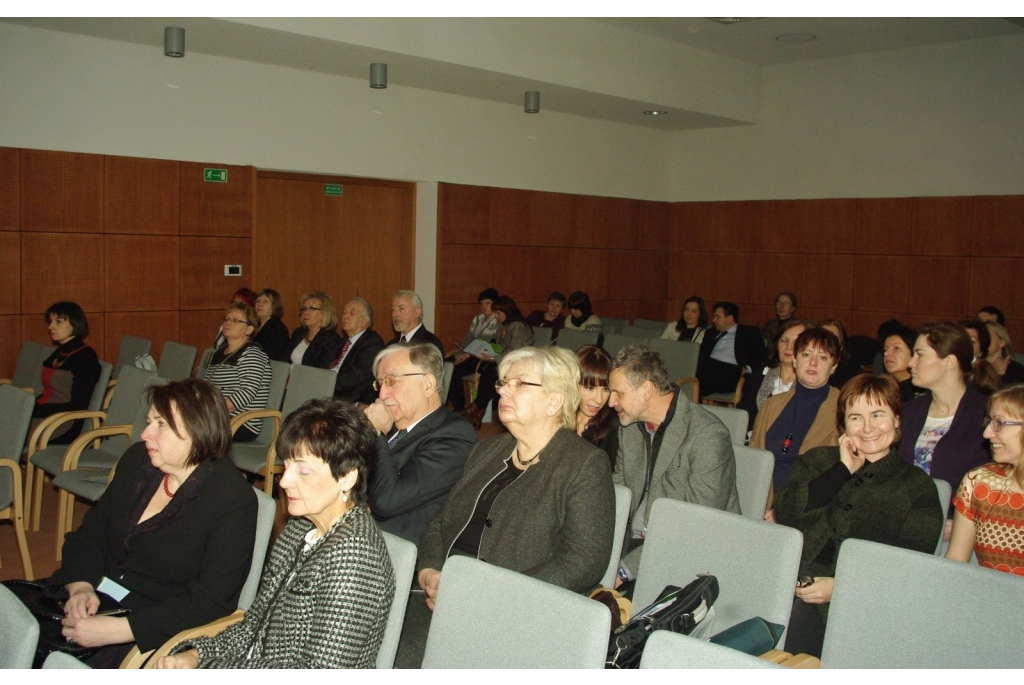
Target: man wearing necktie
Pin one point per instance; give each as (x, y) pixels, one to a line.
(361, 344)
(734, 350)
(422, 447)
(407, 318)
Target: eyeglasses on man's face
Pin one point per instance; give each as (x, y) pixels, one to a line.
(392, 378)
(514, 384)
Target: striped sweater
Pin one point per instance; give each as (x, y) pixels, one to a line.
(244, 378)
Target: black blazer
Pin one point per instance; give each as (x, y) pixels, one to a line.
(355, 375)
(324, 349)
(273, 338)
(750, 349)
(185, 566)
(411, 480)
(422, 335)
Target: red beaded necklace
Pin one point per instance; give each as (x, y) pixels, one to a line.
(167, 490)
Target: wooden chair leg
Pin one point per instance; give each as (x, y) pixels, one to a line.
(29, 473)
(37, 499)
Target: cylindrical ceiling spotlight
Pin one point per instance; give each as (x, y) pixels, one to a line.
(531, 103)
(378, 75)
(174, 41)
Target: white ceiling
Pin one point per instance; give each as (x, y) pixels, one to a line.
(280, 43)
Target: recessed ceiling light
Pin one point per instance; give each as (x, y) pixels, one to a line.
(795, 38)
(655, 112)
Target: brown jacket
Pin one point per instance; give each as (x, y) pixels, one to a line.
(822, 432)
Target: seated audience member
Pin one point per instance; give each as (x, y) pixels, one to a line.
(328, 585)
(315, 342)
(553, 317)
(885, 329)
(513, 334)
(692, 324)
(991, 314)
(940, 429)
(70, 374)
(1000, 355)
(802, 418)
(484, 325)
(271, 333)
(989, 504)
(847, 368)
(359, 347)
(407, 318)
(172, 535)
(785, 308)
(421, 446)
(730, 353)
(897, 348)
(241, 369)
(981, 340)
(780, 374)
(537, 500)
(581, 314)
(690, 449)
(243, 296)
(858, 489)
(596, 422)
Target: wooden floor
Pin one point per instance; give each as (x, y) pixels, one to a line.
(43, 545)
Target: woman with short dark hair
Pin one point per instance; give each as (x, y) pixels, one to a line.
(581, 314)
(693, 322)
(271, 333)
(596, 422)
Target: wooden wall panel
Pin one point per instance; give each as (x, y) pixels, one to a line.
(735, 226)
(866, 322)
(997, 226)
(533, 218)
(689, 273)
(774, 273)
(939, 286)
(61, 191)
(463, 213)
(201, 266)
(198, 327)
(49, 274)
(216, 209)
(783, 225)
(141, 273)
(690, 226)
(883, 225)
(941, 226)
(828, 282)
(10, 272)
(601, 222)
(141, 196)
(10, 344)
(156, 326)
(831, 227)
(881, 282)
(10, 190)
(996, 282)
(650, 223)
(732, 278)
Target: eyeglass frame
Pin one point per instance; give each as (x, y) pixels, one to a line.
(998, 424)
(514, 384)
(303, 310)
(229, 319)
(383, 380)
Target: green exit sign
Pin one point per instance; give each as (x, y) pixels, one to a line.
(332, 189)
(215, 175)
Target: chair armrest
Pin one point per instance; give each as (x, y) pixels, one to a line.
(696, 387)
(211, 629)
(74, 451)
(252, 415)
(778, 656)
(44, 431)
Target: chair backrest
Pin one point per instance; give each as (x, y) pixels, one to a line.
(753, 479)
(19, 630)
(204, 362)
(27, 370)
(403, 561)
(756, 563)
(541, 336)
(636, 332)
(613, 342)
(945, 492)
(446, 380)
(100, 391)
(665, 649)
(265, 514)
(131, 347)
(176, 361)
(650, 324)
(307, 383)
(15, 416)
(613, 325)
(65, 662)
(891, 609)
(490, 617)
(734, 419)
(623, 498)
(129, 397)
(279, 374)
(574, 340)
(139, 423)
(689, 387)
(680, 356)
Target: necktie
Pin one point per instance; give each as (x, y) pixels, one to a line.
(397, 437)
(344, 348)
(402, 339)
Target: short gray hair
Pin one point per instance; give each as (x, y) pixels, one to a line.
(559, 372)
(365, 304)
(640, 363)
(417, 301)
(424, 356)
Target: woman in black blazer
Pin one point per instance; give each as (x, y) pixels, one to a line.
(271, 334)
(315, 342)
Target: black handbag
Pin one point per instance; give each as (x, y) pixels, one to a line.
(46, 602)
(677, 609)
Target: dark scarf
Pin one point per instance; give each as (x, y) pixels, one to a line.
(585, 314)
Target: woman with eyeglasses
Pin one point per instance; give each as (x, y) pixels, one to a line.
(596, 422)
(241, 369)
(537, 500)
(989, 503)
(316, 342)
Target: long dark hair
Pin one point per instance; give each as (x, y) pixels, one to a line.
(702, 321)
(595, 366)
(507, 306)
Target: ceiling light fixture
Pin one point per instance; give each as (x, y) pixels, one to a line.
(795, 38)
(174, 41)
(655, 112)
(378, 75)
(531, 102)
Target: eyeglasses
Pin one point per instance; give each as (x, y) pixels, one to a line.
(514, 384)
(997, 425)
(228, 319)
(310, 309)
(392, 378)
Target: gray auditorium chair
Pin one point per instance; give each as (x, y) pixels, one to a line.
(131, 347)
(623, 498)
(64, 662)
(574, 340)
(403, 561)
(176, 361)
(680, 356)
(754, 469)
(15, 415)
(27, 370)
(613, 342)
(541, 336)
(665, 649)
(19, 632)
(734, 419)
(650, 324)
(945, 493)
(613, 325)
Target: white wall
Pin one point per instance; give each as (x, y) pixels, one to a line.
(941, 120)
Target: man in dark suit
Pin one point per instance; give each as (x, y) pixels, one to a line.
(422, 447)
(407, 318)
(733, 351)
(360, 346)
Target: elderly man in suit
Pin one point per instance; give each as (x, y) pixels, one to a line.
(422, 447)
(668, 446)
(407, 318)
(359, 348)
(730, 353)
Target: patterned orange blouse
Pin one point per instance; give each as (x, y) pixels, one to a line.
(984, 497)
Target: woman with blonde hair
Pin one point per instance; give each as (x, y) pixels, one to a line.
(316, 342)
